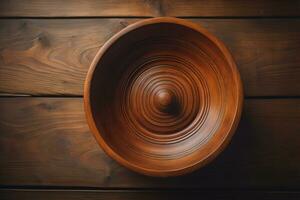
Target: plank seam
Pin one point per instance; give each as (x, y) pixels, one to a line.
(145, 17)
(81, 96)
(120, 189)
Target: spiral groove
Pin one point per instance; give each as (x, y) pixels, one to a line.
(171, 76)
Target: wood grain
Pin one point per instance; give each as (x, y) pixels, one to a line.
(76, 8)
(52, 56)
(46, 142)
(213, 8)
(9, 194)
(109, 8)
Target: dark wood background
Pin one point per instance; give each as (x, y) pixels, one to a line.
(46, 149)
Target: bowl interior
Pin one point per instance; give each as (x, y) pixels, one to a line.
(164, 97)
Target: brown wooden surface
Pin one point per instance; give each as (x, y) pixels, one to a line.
(46, 142)
(52, 56)
(9, 194)
(79, 8)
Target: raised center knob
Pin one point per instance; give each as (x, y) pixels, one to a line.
(166, 101)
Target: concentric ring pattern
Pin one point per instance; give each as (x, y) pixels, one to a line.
(164, 97)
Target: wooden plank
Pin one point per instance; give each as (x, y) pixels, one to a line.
(191, 8)
(46, 142)
(109, 8)
(76, 8)
(52, 56)
(9, 194)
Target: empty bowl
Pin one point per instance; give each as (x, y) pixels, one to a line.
(163, 96)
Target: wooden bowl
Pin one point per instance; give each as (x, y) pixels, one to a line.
(163, 96)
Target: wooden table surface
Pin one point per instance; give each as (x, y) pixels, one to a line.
(46, 148)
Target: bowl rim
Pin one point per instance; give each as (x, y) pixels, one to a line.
(121, 160)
